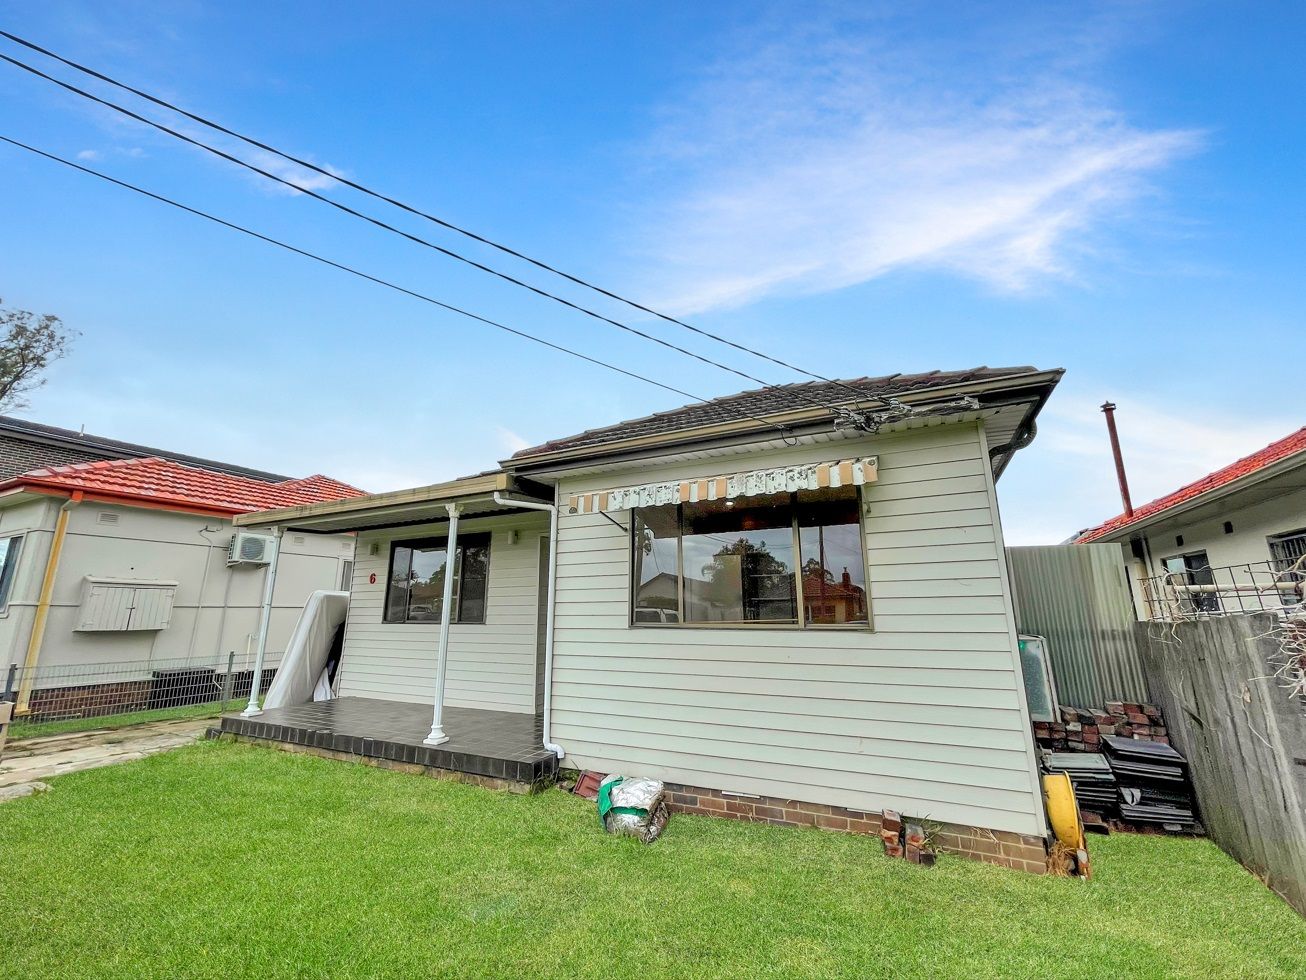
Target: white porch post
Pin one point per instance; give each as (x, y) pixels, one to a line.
(265, 618)
(437, 735)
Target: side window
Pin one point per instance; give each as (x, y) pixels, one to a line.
(10, 549)
(1191, 575)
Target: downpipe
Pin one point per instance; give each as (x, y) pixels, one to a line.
(550, 594)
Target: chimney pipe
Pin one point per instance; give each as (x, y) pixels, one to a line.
(1109, 410)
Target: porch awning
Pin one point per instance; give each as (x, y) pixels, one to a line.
(753, 483)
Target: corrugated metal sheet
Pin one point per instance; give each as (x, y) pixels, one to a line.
(1077, 596)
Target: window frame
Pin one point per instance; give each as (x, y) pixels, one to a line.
(439, 544)
(801, 624)
(12, 566)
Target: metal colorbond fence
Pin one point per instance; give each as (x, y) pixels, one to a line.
(68, 693)
(1077, 597)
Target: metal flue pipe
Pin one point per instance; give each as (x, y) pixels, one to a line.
(1109, 410)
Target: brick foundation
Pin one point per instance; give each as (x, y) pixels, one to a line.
(411, 768)
(1081, 729)
(1019, 851)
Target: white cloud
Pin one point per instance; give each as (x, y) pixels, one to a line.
(1066, 481)
(89, 155)
(511, 441)
(301, 177)
(818, 161)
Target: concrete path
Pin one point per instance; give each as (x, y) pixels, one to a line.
(27, 763)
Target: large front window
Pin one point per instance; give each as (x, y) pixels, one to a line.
(417, 571)
(784, 559)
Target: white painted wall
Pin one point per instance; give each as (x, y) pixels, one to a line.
(1252, 525)
(492, 665)
(157, 545)
(925, 715)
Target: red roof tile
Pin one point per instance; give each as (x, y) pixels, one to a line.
(163, 483)
(1246, 466)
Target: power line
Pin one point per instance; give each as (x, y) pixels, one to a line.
(371, 278)
(797, 394)
(507, 250)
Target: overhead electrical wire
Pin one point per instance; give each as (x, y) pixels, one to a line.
(373, 279)
(792, 392)
(444, 223)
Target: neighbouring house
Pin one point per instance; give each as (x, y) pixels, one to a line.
(26, 445)
(113, 570)
(791, 604)
(1233, 541)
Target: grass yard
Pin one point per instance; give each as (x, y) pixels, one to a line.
(228, 860)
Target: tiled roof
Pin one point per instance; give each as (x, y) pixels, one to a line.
(1246, 466)
(102, 447)
(768, 401)
(164, 483)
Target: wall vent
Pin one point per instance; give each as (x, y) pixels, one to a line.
(106, 517)
(299, 539)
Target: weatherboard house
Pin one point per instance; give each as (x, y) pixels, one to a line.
(791, 613)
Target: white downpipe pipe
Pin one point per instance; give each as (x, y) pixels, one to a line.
(437, 736)
(265, 620)
(550, 594)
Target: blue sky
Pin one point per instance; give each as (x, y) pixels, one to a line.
(860, 189)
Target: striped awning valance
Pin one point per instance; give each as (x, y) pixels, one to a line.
(810, 476)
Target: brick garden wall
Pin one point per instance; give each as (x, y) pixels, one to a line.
(1082, 729)
(1019, 851)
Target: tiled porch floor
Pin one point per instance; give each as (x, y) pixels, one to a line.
(496, 744)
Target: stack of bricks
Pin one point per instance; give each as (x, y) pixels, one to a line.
(891, 833)
(1082, 729)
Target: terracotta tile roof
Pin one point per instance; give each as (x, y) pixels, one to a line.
(768, 401)
(1246, 466)
(162, 482)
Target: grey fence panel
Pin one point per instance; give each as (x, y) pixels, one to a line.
(1244, 736)
(1077, 596)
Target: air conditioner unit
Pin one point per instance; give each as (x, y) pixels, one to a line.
(250, 549)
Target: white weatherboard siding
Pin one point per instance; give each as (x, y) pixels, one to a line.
(924, 715)
(491, 664)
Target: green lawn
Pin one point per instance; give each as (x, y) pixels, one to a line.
(40, 729)
(228, 860)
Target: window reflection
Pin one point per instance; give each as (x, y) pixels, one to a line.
(739, 561)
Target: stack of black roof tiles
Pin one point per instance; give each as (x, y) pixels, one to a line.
(1152, 782)
(1090, 776)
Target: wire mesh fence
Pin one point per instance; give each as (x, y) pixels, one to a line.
(1228, 590)
(54, 698)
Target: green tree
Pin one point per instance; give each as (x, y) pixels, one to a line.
(28, 345)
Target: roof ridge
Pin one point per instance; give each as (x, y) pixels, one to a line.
(160, 479)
